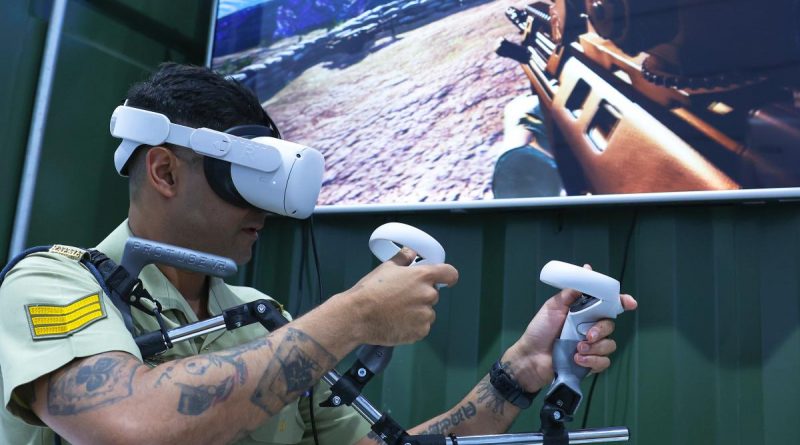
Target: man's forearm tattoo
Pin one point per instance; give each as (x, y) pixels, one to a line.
(195, 400)
(489, 397)
(375, 438)
(165, 374)
(199, 365)
(297, 364)
(93, 383)
(460, 415)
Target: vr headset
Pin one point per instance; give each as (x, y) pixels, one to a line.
(264, 172)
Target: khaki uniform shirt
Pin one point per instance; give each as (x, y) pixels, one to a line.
(91, 325)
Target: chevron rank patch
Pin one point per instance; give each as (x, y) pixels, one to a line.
(51, 321)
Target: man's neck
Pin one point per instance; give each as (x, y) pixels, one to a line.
(192, 286)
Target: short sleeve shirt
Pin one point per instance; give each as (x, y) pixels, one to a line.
(53, 311)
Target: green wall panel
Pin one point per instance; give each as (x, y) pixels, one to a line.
(105, 46)
(23, 41)
(711, 356)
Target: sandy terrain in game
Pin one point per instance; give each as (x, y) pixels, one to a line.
(414, 118)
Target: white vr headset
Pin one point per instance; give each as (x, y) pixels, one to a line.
(268, 173)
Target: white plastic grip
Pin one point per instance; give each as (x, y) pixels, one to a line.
(588, 282)
(386, 240)
(564, 275)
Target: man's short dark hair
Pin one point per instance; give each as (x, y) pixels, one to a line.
(197, 97)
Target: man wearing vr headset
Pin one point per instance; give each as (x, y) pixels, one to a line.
(205, 190)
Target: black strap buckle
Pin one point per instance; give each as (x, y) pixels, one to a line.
(507, 387)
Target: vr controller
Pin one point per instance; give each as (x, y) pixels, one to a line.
(599, 299)
(599, 296)
(384, 243)
(267, 173)
(386, 240)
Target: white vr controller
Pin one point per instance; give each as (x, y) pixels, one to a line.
(384, 243)
(599, 299)
(387, 240)
(599, 296)
(271, 174)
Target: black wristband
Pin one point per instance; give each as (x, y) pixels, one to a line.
(507, 387)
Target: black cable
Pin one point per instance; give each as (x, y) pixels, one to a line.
(316, 258)
(319, 290)
(297, 305)
(311, 411)
(628, 238)
(628, 244)
(589, 401)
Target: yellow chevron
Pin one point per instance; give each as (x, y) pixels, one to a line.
(48, 321)
(65, 319)
(39, 310)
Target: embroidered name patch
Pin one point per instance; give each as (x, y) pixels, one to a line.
(68, 251)
(50, 321)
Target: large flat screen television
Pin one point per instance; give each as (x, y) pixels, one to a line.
(468, 103)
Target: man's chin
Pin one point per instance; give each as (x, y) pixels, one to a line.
(243, 256)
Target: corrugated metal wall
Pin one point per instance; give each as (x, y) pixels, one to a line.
(711, 356)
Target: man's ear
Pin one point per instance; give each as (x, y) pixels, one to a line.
(162, 171)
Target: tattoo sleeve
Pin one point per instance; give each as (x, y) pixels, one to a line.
(195, 399)
(489, 397)
(92, 383)
(297, 364)
(461, 414)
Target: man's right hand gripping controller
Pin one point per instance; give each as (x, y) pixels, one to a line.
(396, 301)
